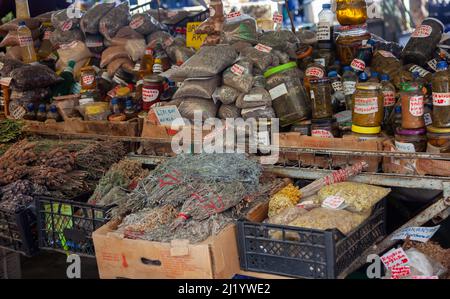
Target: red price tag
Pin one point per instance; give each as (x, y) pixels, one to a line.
(277, 18)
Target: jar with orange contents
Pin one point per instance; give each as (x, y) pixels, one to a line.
(349, 41)
(351, 12)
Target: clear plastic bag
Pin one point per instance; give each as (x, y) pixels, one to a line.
(115, 19)
(189, 106)
(91, 19)
(260, 59)
(229, 111)
(59, 37)
(197, 87)
(241, 28)
(258, 112)
(8, 65)
(145, 24)
(283, 40)
(258, 96)
(179, 54)
(159, 37)
(113, 53)
(135, 48)
(208, 61)
(422, 265)
(239, 76)
(75, 51)
(33, 76)
(61, 21)
(225, 94)
(123, 35)
(95, 43)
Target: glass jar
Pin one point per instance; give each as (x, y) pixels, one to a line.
(325, 128)
(368, 105)
(88, 78)
(151, 91)
(320, 92)
(304, 56)
(303, 127)
(290, 101)
(325, 55)
(365, 133)
(438, 140)
(349, 41)
(412, 106)
(351, 12)
(411, 141)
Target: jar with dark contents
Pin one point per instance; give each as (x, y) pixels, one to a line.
(368, 110)
(88, 78)
(304, 56)
(411, 141)
(412, 106)
(325, 55)
(325, 128)
(349, 41)
(438, 140)
(290, 100)
(320, 92)
(151, 91)
(302, 127)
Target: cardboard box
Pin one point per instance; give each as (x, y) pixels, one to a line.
(216, 257)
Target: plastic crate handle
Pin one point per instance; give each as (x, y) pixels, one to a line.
(150, 262)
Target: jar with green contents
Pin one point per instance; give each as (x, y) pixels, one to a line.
(290, 102)
(411, 141)
(438, 140)
(365, 133)
(320, 92)
(368, 105)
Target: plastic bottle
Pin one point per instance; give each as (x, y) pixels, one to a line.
(158, 66)
(335, 67)
(22, 9)
(441, 96)
(147, 63)
(31, 113)
(53, 113)
(374, 77)
(130, 112)
(65, 87)
(363, 77)
(46, 48)
(388, 90)
(397, 121)
(41, 115)
(26, 43)
(349, 80)
(325, 26)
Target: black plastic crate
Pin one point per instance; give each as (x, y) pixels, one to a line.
(18, 230)
(316, 253)
(67, 225)
(10, 265)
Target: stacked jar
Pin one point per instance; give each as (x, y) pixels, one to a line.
(411, 136)
(439, 132)
(322, 124)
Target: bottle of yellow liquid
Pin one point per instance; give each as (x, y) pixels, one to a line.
(351, 12)
(147, 62)
(26, 43)
(22, 9)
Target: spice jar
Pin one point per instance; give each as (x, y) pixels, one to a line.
(412, 106)
(365, 133)
(349, 41)
(441, 96)
(324, 128)
(290, 101)
(351, 12)
(304, 56)
(321, 98)
(411, 141)
(368, 105)
(385, 62)
(423, 42)
(438, 140)
(302, 127)
(325, 55)
(151, 91)
(88, 78)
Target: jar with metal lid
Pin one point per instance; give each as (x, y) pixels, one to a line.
(290, 101)
(412, 106)
(368, 105)
(365, 133)
(304, 56)
(313, 71)
(303, 127)
(349, 41)
(151, 91)
(438, 140)
(320, 92)
(351, 12)
(88, 78)
(411, 141)
(325, 128)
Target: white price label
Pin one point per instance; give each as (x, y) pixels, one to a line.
(405, 147)
(253, 98)
(237, 69)
(422, 72)
(395, 257)
(428, 119)
(334, 202)
(398, 272)
(167, 114)
(149, 94)
(18, 113)
(321, 133)
(278, 91)
(264, 138)
(349, 87)
(337, 86)
(433, 64)
(314, 72)
(389, 98)
(320, 61)
(324, 31)
(358, 65)
(263, 48)
(25, 41)
(419, 234)
(422, 31)
(5, 81)
(416, 105)
(277, 18)
(366, 105)
(441, 98)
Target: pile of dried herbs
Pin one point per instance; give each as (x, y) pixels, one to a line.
(10, 131)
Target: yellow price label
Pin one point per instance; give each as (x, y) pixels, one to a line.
(194, 40)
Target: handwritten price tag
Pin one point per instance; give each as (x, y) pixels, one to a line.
(233, 15)
(400, 271)
(237, 69)
(334, 202)
(277, 18)
(395, 257)
(419, 234)
(263, 48)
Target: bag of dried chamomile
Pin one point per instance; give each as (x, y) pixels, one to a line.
(356, 197)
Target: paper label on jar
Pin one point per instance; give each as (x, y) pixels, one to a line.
(416, 105)
(47, 35)
(386, 54)
(405, 147)
(137, 22)
(253, 98)
(349, 87)
(321, 133)
(277, 18)
(366, 105)
(237, 69)
(88, 79)
(323, 31)
(320, 61)
(149, 94)
(427, 119)
(441, 98)
(25, 41)
(263, 48)
(422, 31)
(422, 72)
(278, 91)
(389, 98)
(314, 72)
(358, 65)
(337, 86)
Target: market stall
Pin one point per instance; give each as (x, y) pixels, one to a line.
(207, 144)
